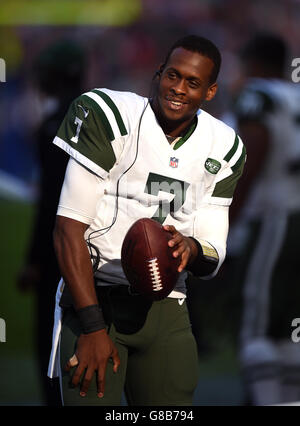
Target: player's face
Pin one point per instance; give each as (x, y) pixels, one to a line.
(183, 86)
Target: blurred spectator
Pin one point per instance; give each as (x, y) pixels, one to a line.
(59, 72)
(266, 229)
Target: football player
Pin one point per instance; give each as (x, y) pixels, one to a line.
(268, 223)
(132, 157)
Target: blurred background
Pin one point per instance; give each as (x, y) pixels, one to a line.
(53, 51)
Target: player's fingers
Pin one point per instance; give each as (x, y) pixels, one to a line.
(101, 381)
(182, 266)
(73, 361)
(86, 382)
(77, 376)
(177, 239)
(170, 228)
(185, 255)
(181, 247)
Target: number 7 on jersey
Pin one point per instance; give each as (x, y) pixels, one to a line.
(78, 122)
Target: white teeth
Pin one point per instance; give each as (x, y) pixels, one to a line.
(176, 103)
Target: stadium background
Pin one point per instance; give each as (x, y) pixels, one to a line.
(124, 42)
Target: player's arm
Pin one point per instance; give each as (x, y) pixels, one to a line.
(204, 252)
(74, 260)
(77, 207)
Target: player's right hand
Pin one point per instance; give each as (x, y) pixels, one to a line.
(92, 354)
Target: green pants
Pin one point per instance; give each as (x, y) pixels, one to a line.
(159, 361)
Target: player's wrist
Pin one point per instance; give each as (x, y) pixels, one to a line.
(91, 319)
(205, 261)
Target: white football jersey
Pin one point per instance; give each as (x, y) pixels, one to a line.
(116, 136)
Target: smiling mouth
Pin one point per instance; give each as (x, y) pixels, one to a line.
(175, 105)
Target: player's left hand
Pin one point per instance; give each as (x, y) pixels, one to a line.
(184, 247)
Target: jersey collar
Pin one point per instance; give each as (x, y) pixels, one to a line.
(187, 134)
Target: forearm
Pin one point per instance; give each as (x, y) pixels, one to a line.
(74, 261)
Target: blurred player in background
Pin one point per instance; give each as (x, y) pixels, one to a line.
(59, 74)
(266, 229)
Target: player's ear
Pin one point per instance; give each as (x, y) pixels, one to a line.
(211, 92)
(159, 71)
(161, 68)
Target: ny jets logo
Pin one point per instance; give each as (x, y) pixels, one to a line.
(212, 166)
(85, 111)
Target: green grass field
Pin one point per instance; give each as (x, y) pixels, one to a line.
(18, 375)
(219, 382)
(16, 308)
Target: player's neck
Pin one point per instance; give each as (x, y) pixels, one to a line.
(176, 130)
(173, 129)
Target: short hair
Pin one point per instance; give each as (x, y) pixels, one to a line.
(268, 49)
(204, 47)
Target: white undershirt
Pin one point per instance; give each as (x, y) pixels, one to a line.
(80, 193)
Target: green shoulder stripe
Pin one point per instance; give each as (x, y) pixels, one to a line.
(114, 109)
(105, 123)
(240, 161)
(225, 188)
(232, 151)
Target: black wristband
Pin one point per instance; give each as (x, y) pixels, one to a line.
(91, 319)
(202, 265)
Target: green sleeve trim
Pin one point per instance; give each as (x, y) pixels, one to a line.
(233, 150)
(226, 187)
(82, 159)
(94, 132)
(114, 109)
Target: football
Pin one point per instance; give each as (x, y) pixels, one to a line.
(147, 260)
